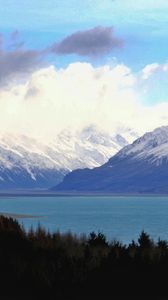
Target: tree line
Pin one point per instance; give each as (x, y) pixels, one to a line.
(38, 264)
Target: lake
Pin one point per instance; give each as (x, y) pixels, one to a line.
(122, 218)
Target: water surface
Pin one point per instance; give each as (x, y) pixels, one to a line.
(122, 218)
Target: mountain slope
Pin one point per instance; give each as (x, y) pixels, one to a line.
(28, 163)
(141, 167)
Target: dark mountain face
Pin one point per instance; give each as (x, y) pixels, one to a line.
(141, 167)
(20, 179)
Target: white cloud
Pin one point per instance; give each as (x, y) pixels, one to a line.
(149, 70)
(153, 69)
(77, 96)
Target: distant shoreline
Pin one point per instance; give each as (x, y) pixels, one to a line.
(39, 193)
(18, 216)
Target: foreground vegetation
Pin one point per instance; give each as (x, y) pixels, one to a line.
(41, 265)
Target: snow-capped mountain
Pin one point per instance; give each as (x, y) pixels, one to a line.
(141, 167)
(29, 163)
(152, 146)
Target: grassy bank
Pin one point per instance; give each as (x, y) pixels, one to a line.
(41, 265)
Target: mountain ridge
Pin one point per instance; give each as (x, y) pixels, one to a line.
(141, 167)
(29, 163)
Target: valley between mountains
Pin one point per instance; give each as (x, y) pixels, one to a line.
(87, 161)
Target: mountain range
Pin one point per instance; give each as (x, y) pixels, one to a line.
(141, 167)
(29, 163)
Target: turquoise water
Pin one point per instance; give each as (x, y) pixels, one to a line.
(122, 218)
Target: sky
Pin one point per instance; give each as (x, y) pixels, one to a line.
(69, 64)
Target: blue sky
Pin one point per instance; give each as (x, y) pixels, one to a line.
(82, 63)
(141, 24)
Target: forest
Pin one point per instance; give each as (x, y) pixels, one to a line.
(38, 264)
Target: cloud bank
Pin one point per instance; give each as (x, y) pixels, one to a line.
(53, 100)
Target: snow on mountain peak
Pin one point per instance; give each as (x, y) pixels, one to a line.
(152, 145)
(141, 167)
(88, 148)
